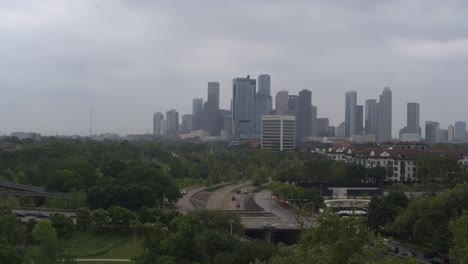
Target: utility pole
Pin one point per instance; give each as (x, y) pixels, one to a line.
(231, 226)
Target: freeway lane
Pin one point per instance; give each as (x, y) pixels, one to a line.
(183, 204)
(264, 200)
(221, 198)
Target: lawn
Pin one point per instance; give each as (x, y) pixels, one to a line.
(87, 244)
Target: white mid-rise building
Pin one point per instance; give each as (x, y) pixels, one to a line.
(278, 132)
(26, 135)
(410, 137)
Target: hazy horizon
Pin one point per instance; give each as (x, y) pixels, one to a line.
(130, 59)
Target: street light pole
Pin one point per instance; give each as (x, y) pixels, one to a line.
(231, 226)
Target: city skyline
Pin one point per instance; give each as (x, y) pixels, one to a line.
(128, 60)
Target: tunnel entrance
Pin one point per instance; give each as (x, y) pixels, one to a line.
(286, 236)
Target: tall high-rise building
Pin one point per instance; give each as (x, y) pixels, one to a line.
(443, 135)
(432, 132)
(293, 102)
(323, 127)
(210, 114)
(412, 120)
(197, 109)
(304, 115)
(163, 131)
(278, 132)
(263, 101)
(157, 118)
(359, 119)
(187, 124)
(172, 122)
(371, 117)
(226, 123)
(384, 116)
(313, 122)
(213, 93)
(460, 131)
(281, 102)
(340, 130)
(451, 133)
(264, 84)
(243, 106)
(350, 113)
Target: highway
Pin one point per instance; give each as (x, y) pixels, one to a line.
(183, 204)
(32, 213)
(222, 198)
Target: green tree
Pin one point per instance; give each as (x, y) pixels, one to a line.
(435, 171)
(120, 218)
(459, 229)
(64, 180)
(101, 220)
(334, 240)
(12, 201)
(62, 224)
(47, 249)
(8, 253)
(83, 218)
(383, 210)
(11, 228)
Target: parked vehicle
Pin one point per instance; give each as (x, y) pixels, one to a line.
(42, 215)
(20, 214)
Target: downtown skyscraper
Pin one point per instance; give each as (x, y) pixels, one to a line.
(281, 102)
(210, 114)
(172, 122)
(157, 120)
(412, 120)
(370, 120)
(243, 106)
(432, 132)
(350, 113)
(304, 115)
(197, 109)
(460, 131)
(384, 116)
(263, 101)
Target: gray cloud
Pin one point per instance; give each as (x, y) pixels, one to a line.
(132, 58)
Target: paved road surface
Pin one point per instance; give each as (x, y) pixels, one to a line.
(222, 198)
(184, 203)
(103, 260)
(281, 218)
(33, 213)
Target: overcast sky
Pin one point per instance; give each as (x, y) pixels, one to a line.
(129, 59)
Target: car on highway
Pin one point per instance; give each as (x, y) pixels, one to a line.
(20, 214)
(42, 215)
(267, 225)
(394, 249)
(246, 191)
(436, 260)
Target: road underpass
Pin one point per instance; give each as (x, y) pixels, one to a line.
(261, 217)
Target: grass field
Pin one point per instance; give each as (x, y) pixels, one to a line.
(88, 244)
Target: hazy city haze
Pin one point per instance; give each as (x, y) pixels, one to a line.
(130, 59)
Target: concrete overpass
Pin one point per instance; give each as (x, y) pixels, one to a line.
(261, 217)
